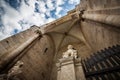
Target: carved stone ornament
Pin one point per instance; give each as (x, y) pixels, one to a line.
(15, 71)
(38, 31)
(71, 52)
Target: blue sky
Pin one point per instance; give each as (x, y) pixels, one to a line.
(19, 15)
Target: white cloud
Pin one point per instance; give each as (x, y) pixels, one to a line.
(25, 13)
(26, 10)
(42, 7)
(9, 20)
(59, 2)
(58, 9)
(73, 1)
(50, 5)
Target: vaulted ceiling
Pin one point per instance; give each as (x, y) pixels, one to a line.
(68, 32)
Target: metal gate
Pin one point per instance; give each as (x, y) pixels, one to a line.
(103, 65)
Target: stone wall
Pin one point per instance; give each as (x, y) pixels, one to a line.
(83, 52)
(100, 26)
(100, 23)
(99, 4)
(13, 42)
(100, 36)
(38, 60)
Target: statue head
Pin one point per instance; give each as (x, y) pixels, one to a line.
(70, 47)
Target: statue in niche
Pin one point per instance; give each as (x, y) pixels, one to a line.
(71, 52)
(15, 71)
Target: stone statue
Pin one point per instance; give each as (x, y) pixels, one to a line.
(71, 52)
(16, 70)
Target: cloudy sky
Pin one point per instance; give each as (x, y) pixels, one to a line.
(19, 15)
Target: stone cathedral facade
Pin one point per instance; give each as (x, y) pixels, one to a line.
(91, 32)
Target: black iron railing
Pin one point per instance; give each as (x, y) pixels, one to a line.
(103, 65)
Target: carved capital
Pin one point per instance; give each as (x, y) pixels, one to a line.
(38, 31)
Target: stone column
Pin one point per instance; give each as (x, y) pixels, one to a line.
(10, 56)
(70, 69)
(58, 70)
(67, 69)
(79, 70)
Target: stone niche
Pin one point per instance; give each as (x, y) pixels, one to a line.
(69, 66)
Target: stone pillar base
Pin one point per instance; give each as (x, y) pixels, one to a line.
(70, 69)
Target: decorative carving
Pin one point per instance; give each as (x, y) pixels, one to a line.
(71, 52)
(15, 71)
(38, 31)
